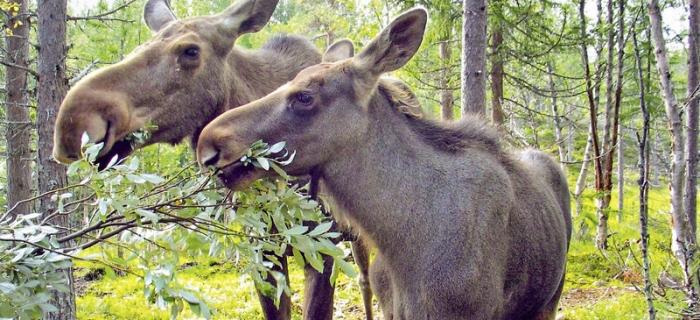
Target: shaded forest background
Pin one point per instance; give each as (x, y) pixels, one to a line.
(609, 88)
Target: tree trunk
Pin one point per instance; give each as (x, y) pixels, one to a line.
(616, 133)
(691, 146)
(643, 182)
(583, 174)
(555, 115)
(603, 194)
(19, 133)
(620, 174)
(592, 107)
(473, 84)
(570, 136)
(682, 243)
(446, 98)
(52, 88)
(497, 115)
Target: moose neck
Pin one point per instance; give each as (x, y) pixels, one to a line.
(378, 185)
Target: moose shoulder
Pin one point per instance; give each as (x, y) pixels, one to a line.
(463, 228)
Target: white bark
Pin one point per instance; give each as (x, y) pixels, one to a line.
(682, 244)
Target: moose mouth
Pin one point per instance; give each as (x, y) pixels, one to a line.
(238, 175)
(121, 149)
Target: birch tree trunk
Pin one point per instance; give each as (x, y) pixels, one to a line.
(643, 182)
(691, 146)
(19, 133)
(561, 147)
(620, 174)
(52, 88)
(473, 84)
(617, 141)
(583, 174)
(682, 242)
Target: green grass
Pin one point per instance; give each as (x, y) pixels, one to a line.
(599, 286)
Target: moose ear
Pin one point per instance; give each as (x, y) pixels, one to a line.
(246, 16)
(396, 44)
(340, 50)
(157, 14)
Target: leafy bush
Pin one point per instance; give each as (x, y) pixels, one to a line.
(147, 225)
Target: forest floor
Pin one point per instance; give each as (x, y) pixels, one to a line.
(599, 285)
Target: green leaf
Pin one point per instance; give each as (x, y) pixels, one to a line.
(7, 287)
(279, 171)
(346, 267)
(84, 139)
(296, 230)
(152, 178)
(277, 147)
(298, 258)
(315, 261)
(56, 258)
(263, 163)
(135, 179)
(320, 229)
(149, 215)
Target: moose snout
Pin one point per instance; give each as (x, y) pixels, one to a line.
(103, 115)
(207, 155)
(217, 148)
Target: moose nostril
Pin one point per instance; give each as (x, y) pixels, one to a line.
(210, 160)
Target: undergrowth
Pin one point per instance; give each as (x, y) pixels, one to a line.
(599, 285)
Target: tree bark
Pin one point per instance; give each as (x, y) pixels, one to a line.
(19, 133)
(555, 115)
(691, 145)
(52, 88)
(446, 98)
(473, 84)
(612, 118)
(592, 106)
(497, 115)
(682, 243)
(620, 174)
(583, 174)
(643, 182)
(616, 137)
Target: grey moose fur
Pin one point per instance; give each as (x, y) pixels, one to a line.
(463, 228)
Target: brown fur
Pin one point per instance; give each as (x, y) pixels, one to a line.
(149, 87)
(159, 84)
(464, 229)
(155, 85)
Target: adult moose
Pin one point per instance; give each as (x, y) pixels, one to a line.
(464, 230)
(186, 75)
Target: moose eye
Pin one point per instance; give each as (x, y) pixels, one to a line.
(191, 53)
(304, 98)
(189, 58)
(301, 103)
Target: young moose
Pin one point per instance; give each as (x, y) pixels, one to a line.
(464, 230)
(184, 77)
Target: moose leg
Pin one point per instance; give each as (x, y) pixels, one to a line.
(549, 311)
(360, 252)
(271, 312)
(380, 280)
(318, 292)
